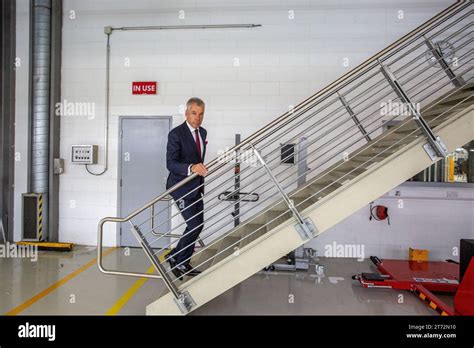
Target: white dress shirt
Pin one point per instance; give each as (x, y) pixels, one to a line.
(193, 133)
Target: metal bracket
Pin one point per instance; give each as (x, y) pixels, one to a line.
(437, 54)
(306, 230)
(108, 30)
(432, 152)
(185, 302)
(235, 196)
(435, 142)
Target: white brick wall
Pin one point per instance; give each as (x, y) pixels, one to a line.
(280, 64)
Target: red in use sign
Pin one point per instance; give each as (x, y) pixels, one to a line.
(144, 87)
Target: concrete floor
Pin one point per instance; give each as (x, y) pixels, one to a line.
(69, 283)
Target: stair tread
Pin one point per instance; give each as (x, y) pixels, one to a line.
(282, 206)
(275, 218)
(203, 259)
(443, 110)
(457, 97)
(250, 235)
(226, 248)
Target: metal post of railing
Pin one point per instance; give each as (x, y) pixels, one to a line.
(199, 240)
(305, 226)
(237, 182)
(437, 54)
(354, 117)
(302, 158)
(3, 231)
(435, 146)
(182, 299)
(152, 218)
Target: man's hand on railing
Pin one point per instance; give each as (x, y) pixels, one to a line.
(199, 168)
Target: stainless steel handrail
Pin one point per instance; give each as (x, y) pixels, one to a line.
(282, 180)
(322, 189)
(197, 253)
(286, 119)
(433, 74)
(100, 246)
(333, 127)
(459, 5)
(315, 112)
(306, 117)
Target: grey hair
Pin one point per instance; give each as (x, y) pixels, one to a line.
(195, 100)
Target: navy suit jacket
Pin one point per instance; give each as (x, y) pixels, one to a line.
(181, 151)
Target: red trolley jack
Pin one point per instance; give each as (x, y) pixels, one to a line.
(423, 278)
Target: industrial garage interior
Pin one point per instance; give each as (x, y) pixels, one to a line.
(296, 158)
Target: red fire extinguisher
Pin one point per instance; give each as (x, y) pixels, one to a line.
(379, 213)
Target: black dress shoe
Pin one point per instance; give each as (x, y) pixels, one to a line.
(177, 270)
(190, 271)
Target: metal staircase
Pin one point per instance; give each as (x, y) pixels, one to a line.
(361, 136)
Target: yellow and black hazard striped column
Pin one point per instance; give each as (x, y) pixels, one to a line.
(39, 225)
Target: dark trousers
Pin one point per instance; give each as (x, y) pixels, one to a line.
(194, 217)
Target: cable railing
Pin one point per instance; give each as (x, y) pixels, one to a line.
(335, 180)
(179, 226)
(190, 231)
(328, 185)
(146, 220)
(330, 138)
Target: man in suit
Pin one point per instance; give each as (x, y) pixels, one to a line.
(184, 156)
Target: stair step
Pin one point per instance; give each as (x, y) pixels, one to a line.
(350, 164)
(368, 159)
(413, 127)
(253, 232)
(204, 259)
(384, 149)
(400, 138)
(282, 206)
(243, 226)
(350, 172)
(324, 187)
(343, 176)
(457, 97)
(446, 109)
(317, 190)
(355, 165)
(321, 188)
(261, 219)
(226, 249)
(275, 218)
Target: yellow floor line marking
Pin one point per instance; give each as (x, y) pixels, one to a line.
(162, 256)
(56, 285)
(122, 301)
